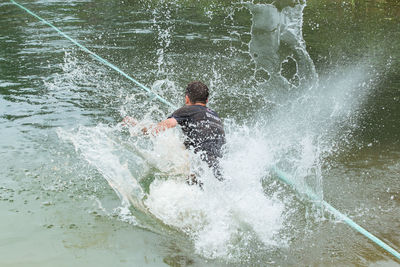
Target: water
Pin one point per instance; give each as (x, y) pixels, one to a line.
(311, 88)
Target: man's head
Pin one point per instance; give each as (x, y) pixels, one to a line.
(197, 92)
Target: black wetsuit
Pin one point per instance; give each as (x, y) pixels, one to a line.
(204, 133)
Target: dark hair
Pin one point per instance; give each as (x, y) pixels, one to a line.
(197, 92)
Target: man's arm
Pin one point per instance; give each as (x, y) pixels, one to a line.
(161, 126)
(153, 129)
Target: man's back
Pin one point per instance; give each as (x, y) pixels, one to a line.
(203, 129)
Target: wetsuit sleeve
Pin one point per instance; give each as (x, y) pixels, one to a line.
(180, 116)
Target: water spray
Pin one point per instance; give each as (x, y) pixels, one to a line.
(283, 177)
(98, 58)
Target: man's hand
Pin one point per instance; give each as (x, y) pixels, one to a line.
(129, 121)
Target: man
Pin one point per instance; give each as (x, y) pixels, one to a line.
(202, 127)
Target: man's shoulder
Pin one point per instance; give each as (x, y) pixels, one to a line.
(182, 114)
(189, 109)
(209, 110)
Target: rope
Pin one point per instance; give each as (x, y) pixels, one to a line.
(281, 175)
(284, 177)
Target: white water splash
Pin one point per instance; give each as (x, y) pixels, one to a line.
(99, 150)
(216, 216)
